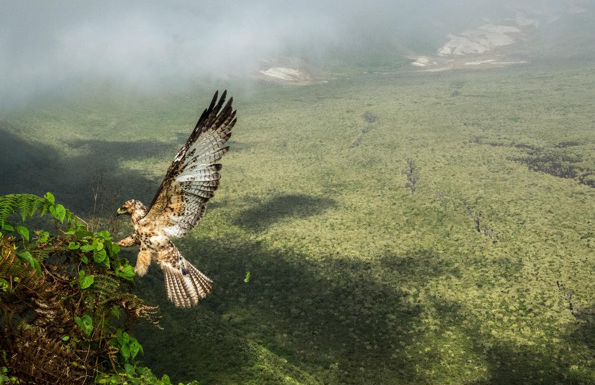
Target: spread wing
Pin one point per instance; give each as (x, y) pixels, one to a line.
(193, 176)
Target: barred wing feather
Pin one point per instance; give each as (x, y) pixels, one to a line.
(193, 176)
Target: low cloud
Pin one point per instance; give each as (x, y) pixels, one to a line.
(48, 47)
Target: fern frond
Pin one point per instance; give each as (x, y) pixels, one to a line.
(7, 256)
(43, 341)
(9, 267)
(106, 289)
(40, 254)
(42, 359)
(24, 205)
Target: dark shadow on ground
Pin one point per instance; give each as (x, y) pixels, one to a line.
(534, 364)
(265, 214)
(33, 167)
(524, 365)
(585, 327)
(335, 320)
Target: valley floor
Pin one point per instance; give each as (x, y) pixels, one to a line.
(480, 274)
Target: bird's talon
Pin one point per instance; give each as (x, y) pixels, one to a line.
(140, 270)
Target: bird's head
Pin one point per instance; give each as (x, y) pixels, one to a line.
(132, 208)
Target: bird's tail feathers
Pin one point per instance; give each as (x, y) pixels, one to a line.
(185, 284)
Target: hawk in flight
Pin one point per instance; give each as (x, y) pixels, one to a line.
(180, 203)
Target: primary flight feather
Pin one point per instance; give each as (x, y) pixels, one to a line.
(180, 203)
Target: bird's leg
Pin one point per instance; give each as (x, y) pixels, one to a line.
(142, 261)
(128, 241)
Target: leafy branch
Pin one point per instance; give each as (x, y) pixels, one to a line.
(64, 297)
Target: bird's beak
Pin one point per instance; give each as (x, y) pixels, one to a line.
(121, 211)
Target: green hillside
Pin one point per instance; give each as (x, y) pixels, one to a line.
(480, 274)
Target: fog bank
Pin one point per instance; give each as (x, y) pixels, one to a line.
(50, 47)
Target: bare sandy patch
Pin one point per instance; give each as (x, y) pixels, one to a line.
(422, 62)
(285, 74)
(480, 40)
(480, 62)
(289, 70)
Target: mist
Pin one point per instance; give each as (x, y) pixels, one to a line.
(50, 48)
(406, 198)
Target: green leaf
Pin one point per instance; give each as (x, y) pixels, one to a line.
(115, 248)
(88, 247)
(125, 351)
(99, 256)
(43, 236)
(50, 197)
(65, 338)
(24, 232)
(119, 336)
(126, 272)
(73, 245)
(116, 311)
(7, 227)
(27, 257)
(129, 369)
(60, 213)
(247, 278)
(134, 348)
(85, 323)
(3, 284)
(84, 259)
(85, 280)
(105, 235)
(125, 338)
(82, 233)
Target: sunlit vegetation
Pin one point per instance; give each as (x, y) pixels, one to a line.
(482, 275)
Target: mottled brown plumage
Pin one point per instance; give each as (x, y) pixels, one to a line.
(180, 203)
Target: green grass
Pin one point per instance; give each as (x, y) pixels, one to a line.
(354, 278)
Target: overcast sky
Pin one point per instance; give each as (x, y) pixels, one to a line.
(48, 45)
